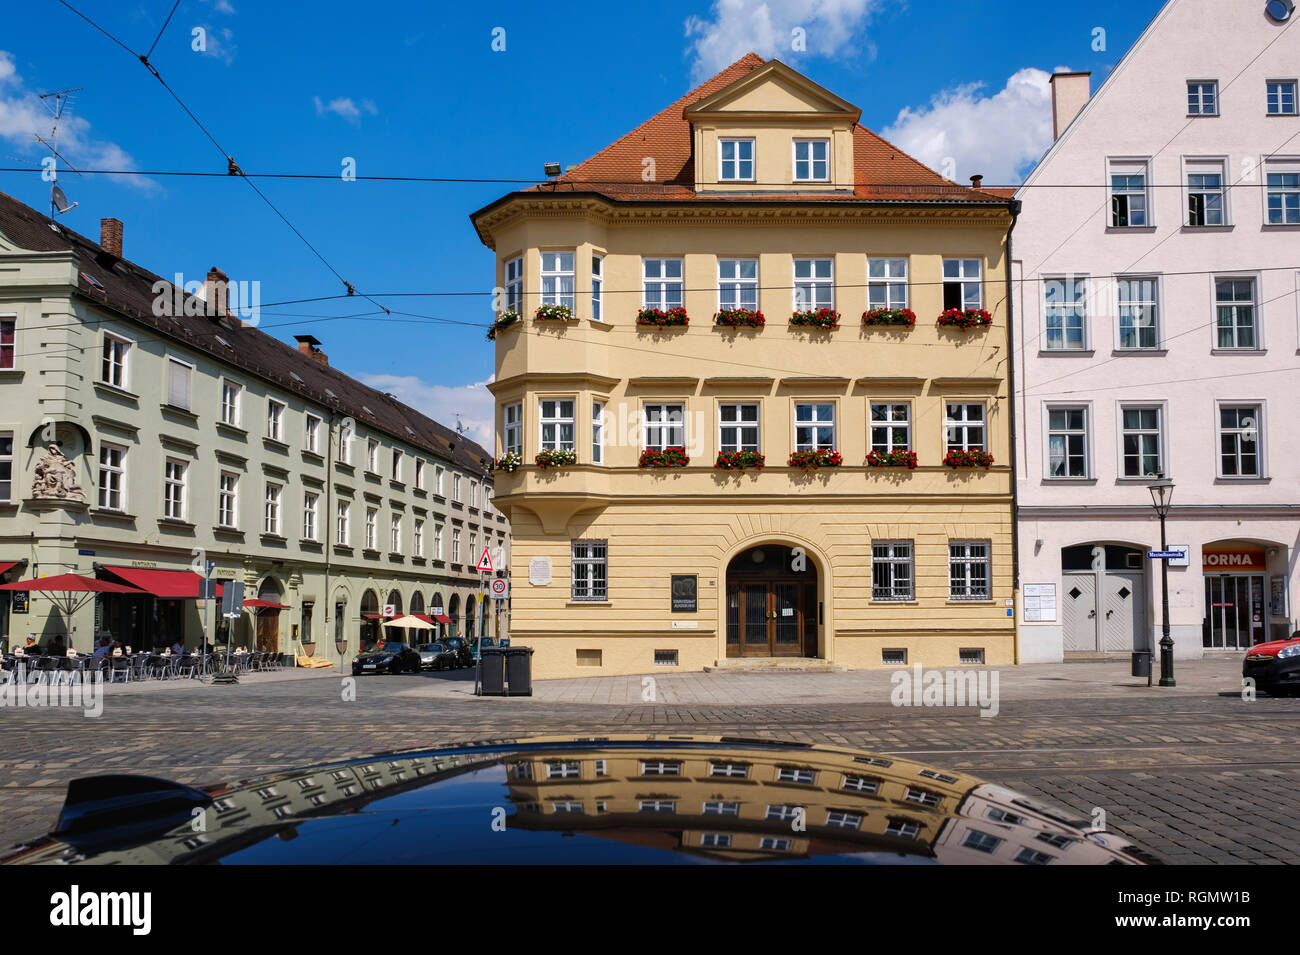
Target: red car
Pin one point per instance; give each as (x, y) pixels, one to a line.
(1274, 666)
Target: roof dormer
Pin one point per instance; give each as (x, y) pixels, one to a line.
(772, 131)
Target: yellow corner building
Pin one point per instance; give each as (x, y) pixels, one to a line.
(659, 477)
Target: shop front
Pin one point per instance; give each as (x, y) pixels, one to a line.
(1238, 600)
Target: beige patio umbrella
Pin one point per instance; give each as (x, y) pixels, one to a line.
(409, 622)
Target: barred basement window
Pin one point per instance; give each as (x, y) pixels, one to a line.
(971, 656)
(891, 571)
(665, 658)
(968, 572)
(893, 658)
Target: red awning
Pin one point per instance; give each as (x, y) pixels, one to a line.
(170, 584)
(70, 584)
(373, 616)
(423, 616)
(442, 618)
(6, 566)
(265, 605)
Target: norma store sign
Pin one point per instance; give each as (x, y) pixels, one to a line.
(1228, 559)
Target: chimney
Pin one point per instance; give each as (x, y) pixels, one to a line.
(1070, 94)
(216, 289)
(975, 181)
(110, 236)
(310, 347)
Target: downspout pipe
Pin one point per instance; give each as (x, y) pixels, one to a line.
(1014, 206)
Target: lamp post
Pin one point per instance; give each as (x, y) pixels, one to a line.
(1162, 495)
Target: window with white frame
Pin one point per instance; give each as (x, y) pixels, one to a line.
(1202, 97)
(455, 545)
(395, 534)
(902, 827)
(735, 160)
(1282, 181)
(438, 475)
(717, 807)
(228, 499)
(343, 523)
(455, 486)
(274, 419)
(812, 160)
(372, 532)
(112, 476)
(1141, 442)
(662, 283)
(310, 509)
(1139, 311)
(8, 353)
(891, 426)
(597, 432)
(964, 426)
(473, 493)
(597, 286)
(738, 428)
(963, 284)
(346, 435)
(271, 510)
(1281, 97)
(814, 426)
(372, 455)
(473, 546)
(982, 841)
(7, 466)
(437, 541)
(891, 570)
(174, 473)
(397, 465)
(1235, 313)
(419, 474)
(179, 374)
(311, 434)
(230, 395)
(418, 537)
(842, 819)
(795, 774)
(1128, 194)
(969, 570)
(1065, 308)
(1239, 441)
(557, 279)
(887, 283)
(814, 284)
(738, 283)
(514, 273)
(1067, 442)
(513, 434)
(112, 370)
(556, 424)
(590, 570)
(664, 426)
(1206, 204)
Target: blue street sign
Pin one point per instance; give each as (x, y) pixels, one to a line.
(85, 553)
(1164, 554)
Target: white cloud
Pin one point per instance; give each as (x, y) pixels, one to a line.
(767, 27)
(24, 115)
(964, 132)
(346, 108)
(218, 43)
(474, 403)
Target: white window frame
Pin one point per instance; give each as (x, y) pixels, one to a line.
(275, 412)
(1123, 433)
(439, 480)
(455, 486)
(1129, 167)
(597, 431)
(893, 554)
(965, 423)
(1206, 166)
(1121, 306)
(1068, 309)
(737, 160)
(963, 559)
(372, 455)
(175, 487)
(813, 291)
(7, 467)
(228, 499)
(557, 420)
(417, 532)
(586, 556)
(372, 528)
(11, 319)
(1260, 434)
(1257, 326)
(1085, 434)
(815, 424)
(738, 426)
(395, 533)
(455, 545)
(512, 428)
(513, 271)
(397, 458)
(1197, 96)
(437, 541)
(230, 409)
(889, 424)
(106, 471)
(116, 354)
(811, 161)
(559, 277)
(419, 474)
(660, 423)
(662, 289)
(173, 364)
(311, 433)
(1284, 166)
(310, 513)
(887, 282)
(272, 499)
(962, 273)
(343, 523)
(597, 287)
(1281, 93)
(735, 289)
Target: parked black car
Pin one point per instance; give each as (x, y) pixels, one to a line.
(435, 656)
(460, 649)
(387, 657)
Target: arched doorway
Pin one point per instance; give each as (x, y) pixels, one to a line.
(1104, 603)
(438, 609)
(453, 611)
(369, 619)
(470, 629)
(394, 633)
(771, 603)
(268, 618)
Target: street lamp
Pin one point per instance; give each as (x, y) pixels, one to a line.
(1162, 496)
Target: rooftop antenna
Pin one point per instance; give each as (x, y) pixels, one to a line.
(460, 426)
(58, 198)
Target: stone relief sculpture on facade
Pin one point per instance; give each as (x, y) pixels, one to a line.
(56, 478)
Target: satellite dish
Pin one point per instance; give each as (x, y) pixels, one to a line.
(59, 200)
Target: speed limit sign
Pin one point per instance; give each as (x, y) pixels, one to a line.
(500, 587)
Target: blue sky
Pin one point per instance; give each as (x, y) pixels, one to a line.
(411, 88)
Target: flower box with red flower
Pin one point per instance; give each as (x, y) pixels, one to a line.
(504, 320)
(665, 458)
(739, 460)
(819, 458)
(892, 459)
(662, 318)
(739, 318)
(816, 318)
(889, 316)
(509, 463)
(555, 457)
(974, 458)
(553, 313)
(965, 318)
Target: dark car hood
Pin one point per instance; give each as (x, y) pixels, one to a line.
(543, 800)
(375, 654)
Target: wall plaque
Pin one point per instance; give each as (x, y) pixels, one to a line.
(684, 593)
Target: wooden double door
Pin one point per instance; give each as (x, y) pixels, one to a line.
(771, 618)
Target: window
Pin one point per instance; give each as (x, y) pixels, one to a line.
(590, 570)
(1205, 198)
(455, 486)
(814, 428)
(891, 427)
(310, 505)
(1239, 444)
(1283, 193)
(921, 797)
(1064, 304)
(1067, 442)
(1027, 856)
(887, 283)
(719, 808)
(271, 512)
(311, 435)
(395, 534)
(112, 370)
(738, 283)
(515, 285)
(564, 770)
(372, 455)
(112, 472)
(556, 425)
(969, 570)
(868, 785)
(793, 774)
(785, 813)
(964, 426)
(1141, 440)
(658, 805)
(1202, 98)
(1281, 97)
(660, 767)
(963, 285)
(735, 160)
(597, 432)
(473, 493)
(372, 517)
(840, 819)
(397, 465)
(665, 426)
(174, 489)
(729, 770)
(455, 545)
(346, 434)
(902, 827)
(437, 542)
(891, 570)
(982, 841)
(228, 499)
(1138, 313)
(473, 546)
(7, 466)
(814, 284)
(274, 419)
(773, 844)
(812, 160)
(1234, 301)
(438, 481)
(419, 474)
(344, 521)
(1128, 195)
(662, 283)
(738, 427)
(514, 432)
(178, 384)
(557, 279)
(7, 352)
(597, 284)
(418, 537)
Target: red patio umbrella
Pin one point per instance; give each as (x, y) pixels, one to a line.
(68, 585)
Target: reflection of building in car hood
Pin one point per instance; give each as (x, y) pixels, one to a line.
(625, 799)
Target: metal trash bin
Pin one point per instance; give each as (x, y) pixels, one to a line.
(1142, 663)
(519, 671)
(492, 672)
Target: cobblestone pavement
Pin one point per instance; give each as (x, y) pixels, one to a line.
(1194, 773)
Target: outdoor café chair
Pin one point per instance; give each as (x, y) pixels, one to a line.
(119, 667)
